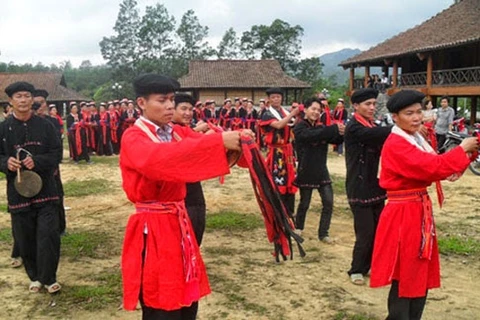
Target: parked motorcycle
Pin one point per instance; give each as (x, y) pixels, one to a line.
(453, 139)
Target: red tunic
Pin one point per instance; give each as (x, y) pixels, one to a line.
(157, 172)
(399, 234)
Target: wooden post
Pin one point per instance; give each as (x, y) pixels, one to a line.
(367, 76)
(455, 104)
(429, 72)
(395, 74)
(473, 111)
(352, 77)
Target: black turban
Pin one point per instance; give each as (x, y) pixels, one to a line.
(19, 86)
(183, 97)
(361, 95)
(150, 83)
(403, 99)
(274, 91)
(40, 93)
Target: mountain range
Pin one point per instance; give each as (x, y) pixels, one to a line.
(336, 73)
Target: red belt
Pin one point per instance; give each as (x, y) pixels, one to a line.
(428, 225)
(190, 262)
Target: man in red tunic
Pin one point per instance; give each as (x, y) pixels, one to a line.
(161, 261)
(405, 252)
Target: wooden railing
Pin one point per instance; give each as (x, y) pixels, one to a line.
(358, 83)
(462, 76)
(451, 77)
(412, 79)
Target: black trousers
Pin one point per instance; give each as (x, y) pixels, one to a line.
(37, 236)
(326, 194)
(440, 141)
(185, 313)
(404, 308)
(365, 221)
(288, 200)
(197, 215)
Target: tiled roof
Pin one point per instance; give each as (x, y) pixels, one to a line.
(53, 82)
(455, 26)
(238, 74)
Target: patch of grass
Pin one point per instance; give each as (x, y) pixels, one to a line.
(77, 188)
(343, 315)
(233, 293)
(106, 291)
(338, 185)
(222, 251)
(2, 175)
(6, 235)
(458, 245)
(233, 221)
(109, 160)
(76, 245)
(4, 207)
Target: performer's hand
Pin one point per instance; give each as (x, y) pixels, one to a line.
(13, 164)
(341, 128)
(469, 144)
(201, 126)
(231, 140)
(248, 132)
(454, 177)
(28, 163)
(295, 111)
(423, 131)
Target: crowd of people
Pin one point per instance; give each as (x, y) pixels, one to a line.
(168, 143)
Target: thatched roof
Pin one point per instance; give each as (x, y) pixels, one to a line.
(210, 74)
(53, 82)
(455, 26)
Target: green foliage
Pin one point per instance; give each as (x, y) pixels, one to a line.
(121, 49)
(233, 221)
(77, 188)
(229, 47)
(278, 41)
(453, 244)
(81, 244)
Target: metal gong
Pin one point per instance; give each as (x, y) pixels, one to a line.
(28, 183)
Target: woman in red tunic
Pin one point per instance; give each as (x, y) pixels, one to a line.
(161, 261)
(405, 252)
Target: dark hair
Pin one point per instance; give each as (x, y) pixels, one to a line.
(307, 103)
(446, 98)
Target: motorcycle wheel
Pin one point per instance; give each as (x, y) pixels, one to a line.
(475, 167)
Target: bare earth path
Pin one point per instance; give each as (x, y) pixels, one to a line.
(246, 282)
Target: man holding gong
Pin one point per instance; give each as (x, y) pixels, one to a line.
(29, 153)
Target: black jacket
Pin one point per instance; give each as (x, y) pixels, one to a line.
(38, 136)
(363, 146)
(311, 143)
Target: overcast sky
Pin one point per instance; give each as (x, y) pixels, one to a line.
(51, 31)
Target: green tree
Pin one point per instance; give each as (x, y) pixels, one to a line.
(229, 47)
(121, 49)
(156, 32)
(192, 42)
(278, 41)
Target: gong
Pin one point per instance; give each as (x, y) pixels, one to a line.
(28, 183)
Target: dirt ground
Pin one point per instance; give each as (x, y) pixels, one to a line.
(246, 281)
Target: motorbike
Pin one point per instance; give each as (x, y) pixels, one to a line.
(453, 139)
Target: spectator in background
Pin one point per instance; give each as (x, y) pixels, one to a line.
(340, 116)
(444, 121)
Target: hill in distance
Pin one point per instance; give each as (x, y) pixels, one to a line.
(331, 68)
